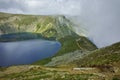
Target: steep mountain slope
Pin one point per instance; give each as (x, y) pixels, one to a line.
(70, 44)
(11, 37)
(102, 57)
(20, 27)
(48, 26)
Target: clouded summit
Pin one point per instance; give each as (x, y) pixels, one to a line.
(101, 18)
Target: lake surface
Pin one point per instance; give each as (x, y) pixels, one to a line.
(26, 52)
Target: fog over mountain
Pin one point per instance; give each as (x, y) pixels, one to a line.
(100, 18)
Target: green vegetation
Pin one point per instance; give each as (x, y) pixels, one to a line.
(25, 20)
(85, 44)
(69, 44)
(6, 27)
(24, 27)
(102, 57)
(2, 68)
(47, 26)
(22, 36)
(73, 43)
(17, 27)
(4, 16)
(43, 74)
(43, 62)
(116, 79)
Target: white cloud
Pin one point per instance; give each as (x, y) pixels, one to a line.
(41, 6)
(101, 18)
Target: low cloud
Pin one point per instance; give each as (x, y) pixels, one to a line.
(45, 7)
(100, 18)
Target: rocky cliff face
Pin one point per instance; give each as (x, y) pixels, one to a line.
(107, 56)
(48, 26)
(58, 27)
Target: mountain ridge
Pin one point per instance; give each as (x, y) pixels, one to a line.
(57, 27)
(49, 26)
(106, 56)
(77, 59)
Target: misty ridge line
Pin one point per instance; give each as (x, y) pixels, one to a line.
(99, 18)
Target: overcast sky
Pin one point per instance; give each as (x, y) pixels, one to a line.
(101, 18)
(40, 6)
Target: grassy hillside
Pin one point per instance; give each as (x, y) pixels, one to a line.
(76, 42)
(71, 44)
(47, 26)
(75, 50)
(30, 72)
(23, 36)
(22, 27)
(105, 56)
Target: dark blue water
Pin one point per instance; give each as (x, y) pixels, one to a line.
(26, 52)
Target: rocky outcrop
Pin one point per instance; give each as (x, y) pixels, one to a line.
(49, 26)
(67, 58)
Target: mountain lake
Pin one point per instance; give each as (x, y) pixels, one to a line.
(26, 52)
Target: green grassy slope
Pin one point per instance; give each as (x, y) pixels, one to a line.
(11, 37)
(47, 26)
(72, 43)
(69, 44)
(50, 27)
(104, 56)
(30, 72)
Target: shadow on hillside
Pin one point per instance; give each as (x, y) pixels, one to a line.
(23, 36)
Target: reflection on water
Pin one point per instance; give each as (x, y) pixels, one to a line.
(26, 52)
